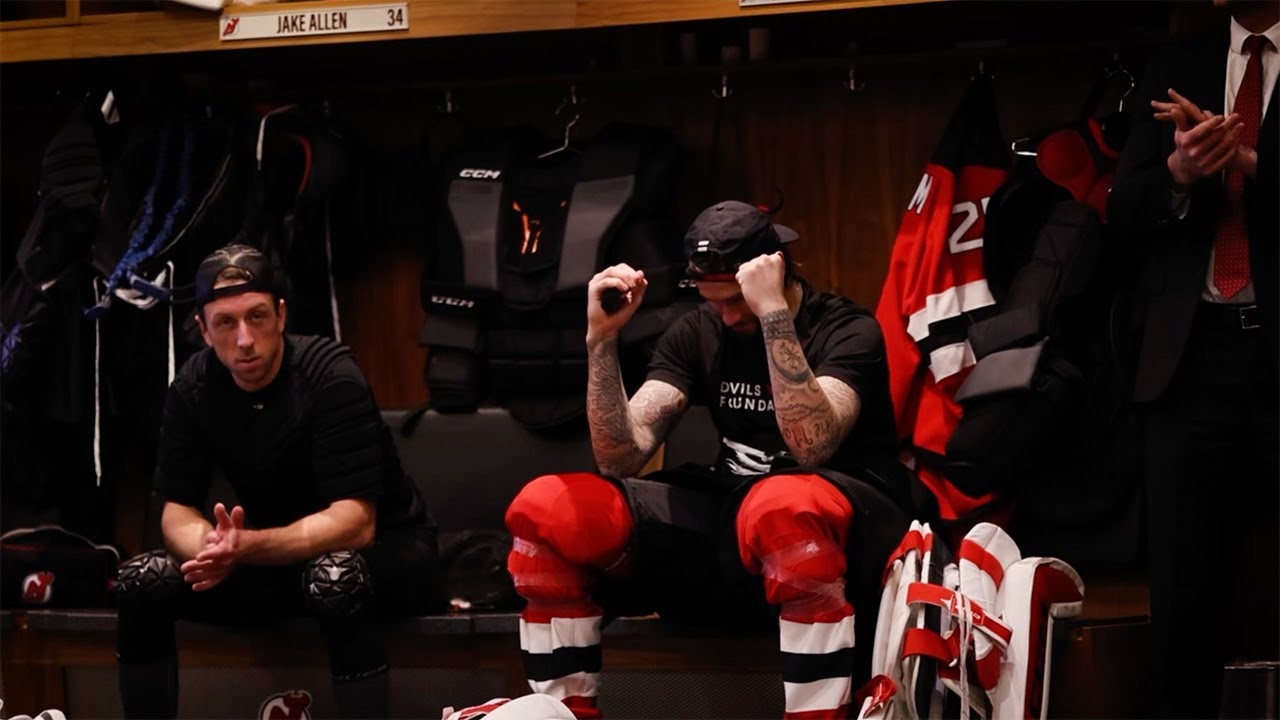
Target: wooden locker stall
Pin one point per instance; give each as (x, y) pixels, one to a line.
(838, 117)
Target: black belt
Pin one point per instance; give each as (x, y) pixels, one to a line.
(1236, 317)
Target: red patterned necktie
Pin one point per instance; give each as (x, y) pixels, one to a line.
(1231, 245)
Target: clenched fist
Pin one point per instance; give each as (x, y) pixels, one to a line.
(626, 280)
(761, 280)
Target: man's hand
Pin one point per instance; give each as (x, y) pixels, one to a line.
(1204, 143)
(761, 280)
(221, 550)
(624, 279)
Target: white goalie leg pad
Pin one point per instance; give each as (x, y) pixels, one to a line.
(1036, 592)
(985, 555)
(881, 697)
(923, 658)
(957, 656)
(525, 707)
(879, 700)
(971, 638)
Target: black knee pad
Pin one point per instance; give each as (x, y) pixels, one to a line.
(338, 584)
(152, 577)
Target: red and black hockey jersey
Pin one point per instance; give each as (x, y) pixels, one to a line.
(936, 288)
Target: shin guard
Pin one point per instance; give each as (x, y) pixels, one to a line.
(148, 596)
(791, 529)
(565, 528)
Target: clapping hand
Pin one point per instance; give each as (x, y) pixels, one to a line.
(218, 557)
(1204, 143)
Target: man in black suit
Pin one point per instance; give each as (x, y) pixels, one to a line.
(1197, 188)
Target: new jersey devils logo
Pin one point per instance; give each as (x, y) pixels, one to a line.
(230, 28)
(37, 588)
(290, 705)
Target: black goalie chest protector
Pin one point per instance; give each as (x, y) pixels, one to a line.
(519, 239)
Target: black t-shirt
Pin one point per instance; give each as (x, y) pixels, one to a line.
(729, 374)
(311, 437)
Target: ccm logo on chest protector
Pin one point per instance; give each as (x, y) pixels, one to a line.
(452, 301)
(480, 173)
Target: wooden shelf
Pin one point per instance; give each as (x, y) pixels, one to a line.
(179, 29)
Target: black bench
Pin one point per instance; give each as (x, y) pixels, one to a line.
(469, 467)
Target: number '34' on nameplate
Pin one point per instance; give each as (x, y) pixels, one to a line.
(303, 20)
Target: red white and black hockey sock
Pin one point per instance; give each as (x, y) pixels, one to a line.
(567, 528)
(559, 636)
(791, 529)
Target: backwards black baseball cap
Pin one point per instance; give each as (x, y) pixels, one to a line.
(729, 234)
(253, 274)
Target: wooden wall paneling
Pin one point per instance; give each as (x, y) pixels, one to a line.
(37, 14)
(594, 13)
(378, 266)
(846, 164)
(179, 28)
(382, 317)
(184, 29)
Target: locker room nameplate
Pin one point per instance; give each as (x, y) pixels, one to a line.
(757, 3)
(286, 23)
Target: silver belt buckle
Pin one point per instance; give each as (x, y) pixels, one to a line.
(1249, 317)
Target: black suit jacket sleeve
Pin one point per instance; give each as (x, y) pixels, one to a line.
(1174, 252)
(1141, 202)
(1141, 193)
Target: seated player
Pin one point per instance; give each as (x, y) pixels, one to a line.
(329, 523)
(800, 510)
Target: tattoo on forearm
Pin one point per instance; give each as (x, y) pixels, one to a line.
(806, 417)
(785, 354)
(607, 412)
(810, 432)
(656, 409)
(625, 434)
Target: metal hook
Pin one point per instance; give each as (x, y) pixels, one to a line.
(1127, 91)
(852, 84)
(572, 101)
(724, 90)
(568, 129)
(1114, 68)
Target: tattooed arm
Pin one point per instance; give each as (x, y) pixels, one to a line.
(624, 435)
(814, 414)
